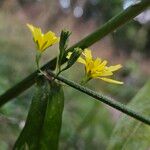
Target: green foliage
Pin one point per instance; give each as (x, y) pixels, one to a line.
(107, 28)
(130, 133)
(53, 118)
(91, 127)
(30, 134)
(43, 123)
(45, 116)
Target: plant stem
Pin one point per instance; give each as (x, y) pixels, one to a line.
(105, 99)
(37, 60)
(120, 19)
(85, 80)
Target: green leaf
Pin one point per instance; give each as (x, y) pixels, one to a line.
(53, 118)
(30, 134)
(130, 134)
(43, 124)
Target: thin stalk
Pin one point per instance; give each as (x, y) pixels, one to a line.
(114, 23)
(105, 99)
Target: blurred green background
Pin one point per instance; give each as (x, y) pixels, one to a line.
(86, 124)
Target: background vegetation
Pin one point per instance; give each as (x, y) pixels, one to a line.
(128, 46)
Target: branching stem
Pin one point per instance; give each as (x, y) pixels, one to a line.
(114, 23)
(105, 99)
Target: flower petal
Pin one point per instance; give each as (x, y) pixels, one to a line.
(101, 74)
(30, 27)
(97, 62)
(114, 68)
(36, 32)
(43, 41)
(111, 81)
(81, 60)
(104, 63)
(87, 54)
(50, 39)
(102, 66)
(106, 73)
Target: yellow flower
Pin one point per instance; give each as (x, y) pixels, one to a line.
(43, 41)
(96, 68)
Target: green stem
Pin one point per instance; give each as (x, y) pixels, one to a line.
(100, 97)
(120, 19)
(85, 79)
(58, 67)
(37, 60)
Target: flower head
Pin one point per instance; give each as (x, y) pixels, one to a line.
(43, 41)
(96, 68)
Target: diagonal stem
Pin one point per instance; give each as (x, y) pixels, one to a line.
(100, 97)
(114, 23)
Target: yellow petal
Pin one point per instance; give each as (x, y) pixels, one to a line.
(50, 39)
(36, 32)
(111, 81)
(114, 68)
(102, 66)
(81, 60)
(49, 34)
(30, 27)
(89, 66)
(87, 54)
(106, 73)
(37, 36)
(104, 63)
(101, 74)
(43, 41)
(97, 62)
